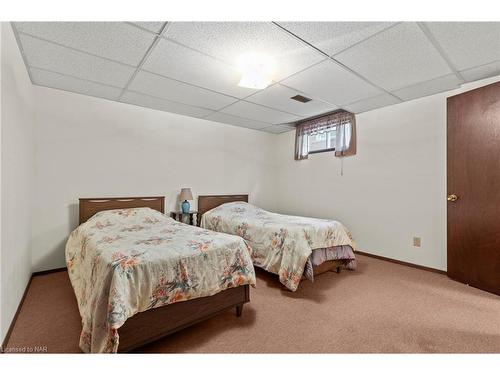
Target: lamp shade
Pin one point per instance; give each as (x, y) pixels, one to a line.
(186, 194)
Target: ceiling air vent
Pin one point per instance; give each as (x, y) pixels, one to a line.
(301, 98)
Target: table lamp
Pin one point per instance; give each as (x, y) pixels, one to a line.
(185, 196)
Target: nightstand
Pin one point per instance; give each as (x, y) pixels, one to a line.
(179, 216)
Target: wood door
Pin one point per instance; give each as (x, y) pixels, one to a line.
(474, 177)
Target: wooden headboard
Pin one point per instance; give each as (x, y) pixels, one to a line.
(90, 206)
(207, 202)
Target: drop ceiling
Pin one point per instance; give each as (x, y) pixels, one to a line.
(189, 67)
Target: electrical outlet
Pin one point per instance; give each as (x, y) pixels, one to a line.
(417, 241)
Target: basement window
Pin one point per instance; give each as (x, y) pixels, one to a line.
(333, 132)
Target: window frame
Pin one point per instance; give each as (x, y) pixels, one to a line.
(320, 151)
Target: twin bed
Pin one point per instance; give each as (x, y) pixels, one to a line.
(139, 275)
(292, 247)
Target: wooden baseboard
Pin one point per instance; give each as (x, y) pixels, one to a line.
(430, 269)
(14, 319)
(40, 273)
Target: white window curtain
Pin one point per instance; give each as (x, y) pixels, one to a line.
(343, 139)
(301, 146)
(342, 121)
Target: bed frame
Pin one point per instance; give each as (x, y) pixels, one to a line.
(151, 325)
(90, 206)
(208, 202)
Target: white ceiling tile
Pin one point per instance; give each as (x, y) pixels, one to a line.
(259, 113)
(332, 83)
(230, 40)
(164, 105)
(279, 97)
(468, 44)
(238, 121)
(59, 81)
(333, 37)
(45, 55)
(395, 58)
(480, 72)
(161, 87)
(113, 40)
(278, 129)
(151, 26)
(398, 57)
(175, 61)
(441, 84)
(372, 103)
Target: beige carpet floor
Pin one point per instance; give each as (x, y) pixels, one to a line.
(381, 307)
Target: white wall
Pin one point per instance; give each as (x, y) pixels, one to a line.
(17, 176)
(89, 147)
(392, 190)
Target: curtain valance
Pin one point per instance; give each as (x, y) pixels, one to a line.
(325, 123)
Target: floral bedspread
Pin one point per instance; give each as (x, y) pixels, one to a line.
(280, 244)
(122, 262)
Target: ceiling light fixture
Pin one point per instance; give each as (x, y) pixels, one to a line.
(256, 70)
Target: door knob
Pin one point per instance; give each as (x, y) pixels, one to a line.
(452, 198)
